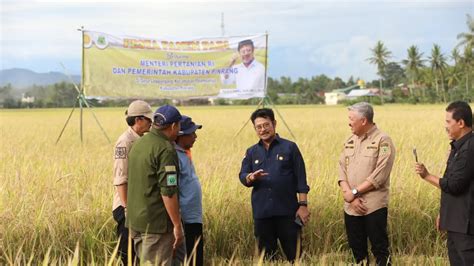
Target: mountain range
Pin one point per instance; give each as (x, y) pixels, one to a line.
(21, 78)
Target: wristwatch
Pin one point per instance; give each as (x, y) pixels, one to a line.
(303, 203)
(355, 192)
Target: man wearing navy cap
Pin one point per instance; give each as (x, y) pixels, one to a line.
(153, 209)
(190, 194)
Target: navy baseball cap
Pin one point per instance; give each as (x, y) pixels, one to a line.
(188, 126)
(166, 115)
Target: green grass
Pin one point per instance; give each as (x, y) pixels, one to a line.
(56, 200)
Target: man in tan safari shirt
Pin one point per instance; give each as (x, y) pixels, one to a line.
(139, 116)
(364, 178)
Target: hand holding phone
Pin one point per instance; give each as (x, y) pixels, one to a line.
(415, 154)
(298, 221)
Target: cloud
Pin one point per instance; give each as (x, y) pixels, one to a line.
(346, 58)
(305, 37)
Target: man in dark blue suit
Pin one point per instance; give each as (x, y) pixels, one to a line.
(275, 169)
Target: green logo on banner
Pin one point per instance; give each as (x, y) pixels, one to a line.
(101, 40)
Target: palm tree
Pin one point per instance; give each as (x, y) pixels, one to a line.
(456, 56)
(413, 64)
(453, 77)
(467, 38)
(380, 56)
(454, 73)
(425, 79)
(438, 67)
(467, 61)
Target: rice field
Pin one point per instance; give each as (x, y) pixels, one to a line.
(56, 200)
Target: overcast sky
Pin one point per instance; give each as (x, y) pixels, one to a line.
(306, 38)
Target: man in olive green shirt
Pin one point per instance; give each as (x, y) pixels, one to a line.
(153, 210)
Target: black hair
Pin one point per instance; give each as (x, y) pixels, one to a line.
(131, 119)
(461, 110)
(245, 42)
(264, 113)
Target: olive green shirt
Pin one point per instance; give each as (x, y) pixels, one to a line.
(152, 173)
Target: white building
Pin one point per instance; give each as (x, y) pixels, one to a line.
(333, 98)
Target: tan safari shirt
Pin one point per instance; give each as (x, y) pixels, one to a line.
(369, 157)
(122, 148)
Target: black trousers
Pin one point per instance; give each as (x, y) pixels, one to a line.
(122, 233)
(282, 228)
(460, 248)
(193, 233)
(372, 226)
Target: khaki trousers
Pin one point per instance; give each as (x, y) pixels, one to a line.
(153, 249)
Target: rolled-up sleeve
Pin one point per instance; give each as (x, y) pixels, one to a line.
(342, 168)
(299, 170)
(245, 169)
(460, 175)
(120, 171)
(384, 164)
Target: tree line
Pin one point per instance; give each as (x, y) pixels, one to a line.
(417, 78)
(430, 78)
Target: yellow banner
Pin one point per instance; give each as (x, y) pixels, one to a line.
(135, 67)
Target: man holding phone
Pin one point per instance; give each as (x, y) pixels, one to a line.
(275, 169)
(457, 185)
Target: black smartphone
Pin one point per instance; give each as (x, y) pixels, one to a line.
(415, 154)
(298, 221)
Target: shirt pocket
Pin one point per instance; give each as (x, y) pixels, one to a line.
(371, 151)
(283, 160)
(369, 156)
(349, 151)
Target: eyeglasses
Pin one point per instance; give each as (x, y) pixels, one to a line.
(263, 126)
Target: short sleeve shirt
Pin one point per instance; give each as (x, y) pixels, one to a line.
(120, 171)
(153, 171)
(190, 193)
